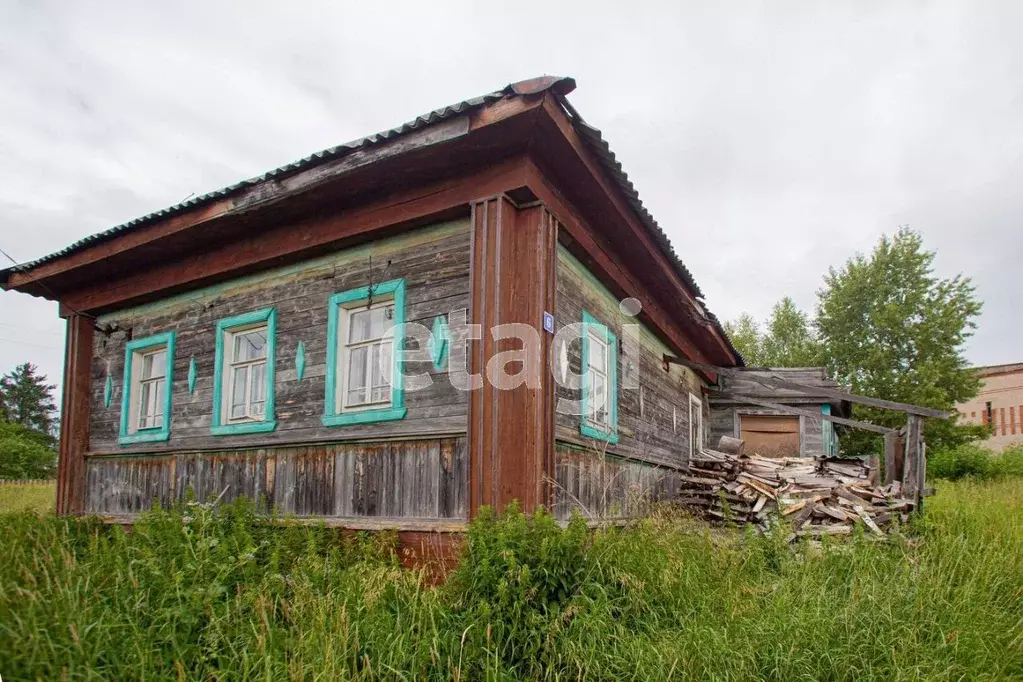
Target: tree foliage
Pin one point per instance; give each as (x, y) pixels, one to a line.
(747, 339)
(885, 327)
(27, 399)
(786, 340)
(27, 424)
(891, 329)
(25, 453)
(790, 340)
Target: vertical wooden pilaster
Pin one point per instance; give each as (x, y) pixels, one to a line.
(511, 432)
(74, 415)
(912, 466)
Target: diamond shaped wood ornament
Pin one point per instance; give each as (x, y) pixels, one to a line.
(439, 341)
(191, 375)
(300, 360)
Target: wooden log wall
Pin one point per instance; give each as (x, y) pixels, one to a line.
(435, 264)
(400, 480)
(653, 419)
(602, 487)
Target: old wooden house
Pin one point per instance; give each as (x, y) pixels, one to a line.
(256, 340)
(743, 406)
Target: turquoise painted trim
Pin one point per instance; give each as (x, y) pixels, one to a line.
(162, 433)
(827, 432)
(440, 339)
(191, 375)
(365, 417)
(269, 423)
(108, 390)
(610, 435)
(331, 415)
(245, 427)
(300, 360)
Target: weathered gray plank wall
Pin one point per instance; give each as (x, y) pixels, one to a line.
(653, 420)
(609, 487)
(724, 421)
(424, 479)
(724, 412)
(435, 264)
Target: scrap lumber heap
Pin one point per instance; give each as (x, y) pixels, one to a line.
(820, 496)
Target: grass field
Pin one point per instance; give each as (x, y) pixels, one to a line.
(37, 497)
(203, 596)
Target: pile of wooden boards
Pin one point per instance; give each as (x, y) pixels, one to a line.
(820, 496)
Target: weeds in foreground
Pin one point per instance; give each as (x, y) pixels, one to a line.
(193, 594)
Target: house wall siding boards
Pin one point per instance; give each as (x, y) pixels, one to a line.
(434, 261)
(423, 480)
(656, 432)
(608, 487)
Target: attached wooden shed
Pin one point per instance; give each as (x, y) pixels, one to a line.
(769, 431)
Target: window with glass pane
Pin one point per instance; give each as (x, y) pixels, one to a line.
(368, 370)
(246, 378)
(152, 384)
(695, 424)
(596, 372)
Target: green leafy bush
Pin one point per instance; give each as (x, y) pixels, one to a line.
(973, 460)
(25, 453)
(519, 575)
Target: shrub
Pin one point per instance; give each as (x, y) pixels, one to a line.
(24, 453)
(973, 460)
(1010, 461)
(517, 578)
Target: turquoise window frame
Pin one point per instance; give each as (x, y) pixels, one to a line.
(587, 428)
(332, 415)
(228, 324)
(161, 433)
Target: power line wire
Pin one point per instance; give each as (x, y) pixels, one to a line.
(46, 288)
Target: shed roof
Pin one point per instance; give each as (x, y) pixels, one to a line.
(745, 383)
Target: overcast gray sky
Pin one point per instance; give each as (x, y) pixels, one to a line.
(769, 143)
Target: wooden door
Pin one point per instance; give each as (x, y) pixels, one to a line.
(770, 435)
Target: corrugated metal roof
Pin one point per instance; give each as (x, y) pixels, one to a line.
(602, 150)
(561, 86)
(314, 159)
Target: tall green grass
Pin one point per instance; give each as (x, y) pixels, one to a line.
(198, 595)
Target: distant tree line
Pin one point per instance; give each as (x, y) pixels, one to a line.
(28, 425)
(884, 326)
